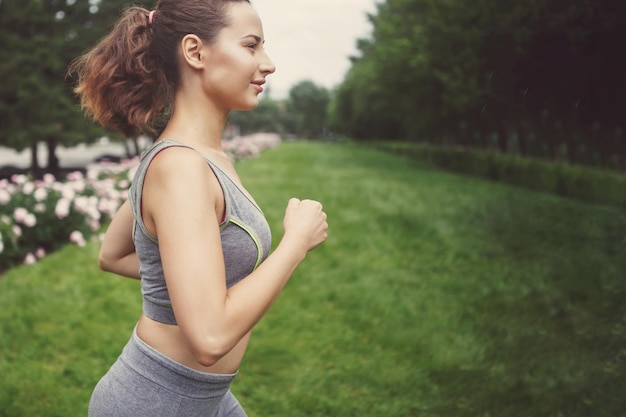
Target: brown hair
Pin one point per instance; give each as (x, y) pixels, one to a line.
(127, 81)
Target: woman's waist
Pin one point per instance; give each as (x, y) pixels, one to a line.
(169, 340)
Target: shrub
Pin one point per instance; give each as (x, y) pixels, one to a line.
(39, 216)
(250, 146)
(577, 182)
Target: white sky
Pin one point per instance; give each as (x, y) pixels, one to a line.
(312, 39)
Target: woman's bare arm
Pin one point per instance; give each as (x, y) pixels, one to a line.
(117, 253)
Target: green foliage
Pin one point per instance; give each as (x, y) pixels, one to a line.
(308, 103)
(580, 183)
(38, 39)
(267, 117)
(463, 73)
(435, 295)
(361, 107)
(303, 114)
(416, 74)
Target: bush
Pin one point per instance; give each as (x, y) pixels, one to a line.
(577, 182)
(39, 216)
(250, 146)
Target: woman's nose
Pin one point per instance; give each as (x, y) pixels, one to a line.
(266, 65)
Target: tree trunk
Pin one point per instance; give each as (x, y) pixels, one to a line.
(53, 161)
(599, 144)
(522, 138)
(620, 149)
(127, 149)
(483, 132)
(136, 146)
(502, 137)
(34, 158)
(570, 143)
(549, 137)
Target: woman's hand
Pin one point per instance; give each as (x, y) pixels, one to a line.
(305, 224)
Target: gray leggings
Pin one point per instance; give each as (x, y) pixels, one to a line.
(145, 383)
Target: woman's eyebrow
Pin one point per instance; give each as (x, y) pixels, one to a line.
(256, 38)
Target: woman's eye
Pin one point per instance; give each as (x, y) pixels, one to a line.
(252, 46)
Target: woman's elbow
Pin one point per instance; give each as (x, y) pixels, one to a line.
(105, 263)
(209, 354)
(207, 360)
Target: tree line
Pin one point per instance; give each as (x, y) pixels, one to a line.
(542, 78)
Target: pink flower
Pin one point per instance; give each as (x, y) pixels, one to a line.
(40, 194)
(78, 186)
(94, 224)
(28, 188)
(62, 209)
(30, 220)
(67, 191)
(77, 237)
(19, 179)
(30, 259)
(5, 196)
(17, 231)
(75, 176)
(48, 178)
(40, 253)
(19, 214)
(108, 207)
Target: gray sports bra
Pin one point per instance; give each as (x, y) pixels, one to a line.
(245, 235)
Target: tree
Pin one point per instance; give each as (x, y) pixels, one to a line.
(528, 77)
(38, 39)
(267, 117)
(303, 114)
(307, 106)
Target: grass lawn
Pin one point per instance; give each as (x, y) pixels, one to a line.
(435, 295)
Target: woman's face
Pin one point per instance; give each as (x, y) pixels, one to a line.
(237, 63)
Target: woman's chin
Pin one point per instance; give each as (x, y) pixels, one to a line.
(250, 105)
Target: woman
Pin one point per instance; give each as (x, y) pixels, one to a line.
(190, 231)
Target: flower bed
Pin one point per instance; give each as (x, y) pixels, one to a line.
(250, 146)
(39, 216)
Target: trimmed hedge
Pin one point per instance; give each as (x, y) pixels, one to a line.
(576, 182)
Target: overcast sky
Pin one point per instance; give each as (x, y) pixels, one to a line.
(312, 39)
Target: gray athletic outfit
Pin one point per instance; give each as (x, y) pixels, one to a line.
(144, 382)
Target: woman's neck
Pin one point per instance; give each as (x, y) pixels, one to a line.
(197, 123)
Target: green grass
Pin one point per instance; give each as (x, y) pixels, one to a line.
(435, 295)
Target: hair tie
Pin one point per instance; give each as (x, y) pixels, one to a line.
(151, 18)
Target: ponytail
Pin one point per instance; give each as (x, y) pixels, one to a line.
(120, 82)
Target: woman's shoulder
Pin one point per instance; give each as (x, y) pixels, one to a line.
(180, 164)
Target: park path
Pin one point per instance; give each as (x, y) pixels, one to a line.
(78, 156)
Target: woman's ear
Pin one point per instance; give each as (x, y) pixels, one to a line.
(192, 51)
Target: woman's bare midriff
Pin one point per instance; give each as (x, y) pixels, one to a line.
(169, 340)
